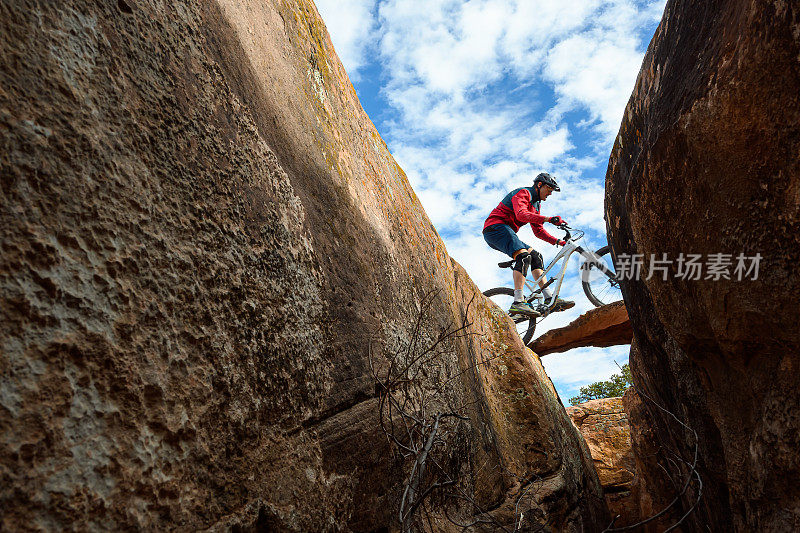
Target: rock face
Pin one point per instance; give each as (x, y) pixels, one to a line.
(652, 492)
(706, 163)
(205, 242)
(604, 425)
(604, 326)
(527, 453)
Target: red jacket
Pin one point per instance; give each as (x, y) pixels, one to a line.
(517, 209)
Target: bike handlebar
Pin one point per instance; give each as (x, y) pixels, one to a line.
(568, 236)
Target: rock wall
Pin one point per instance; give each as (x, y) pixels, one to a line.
(706, 163)
(604, 425)
(528, 454)
(652, 491)
(204, 239)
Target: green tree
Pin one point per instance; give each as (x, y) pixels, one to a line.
(615, 386)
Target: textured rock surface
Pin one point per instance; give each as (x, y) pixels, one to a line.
(706, 162)
(529, 450)
(651, 490)
(604, 425)
(604, 326)
(203, 236)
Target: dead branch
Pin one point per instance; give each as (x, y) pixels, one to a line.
(693, 474)
(420, 421)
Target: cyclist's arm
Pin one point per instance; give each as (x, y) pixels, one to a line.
(524, 211)
(542, 233)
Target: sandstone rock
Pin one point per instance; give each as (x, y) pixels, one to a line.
(604, 425)
(651, 490)
(524, 440)
(204, 238)
(706, 163)
(604, 326)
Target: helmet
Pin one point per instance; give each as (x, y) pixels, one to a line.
(547, 179)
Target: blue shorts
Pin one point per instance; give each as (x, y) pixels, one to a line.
(502, 238)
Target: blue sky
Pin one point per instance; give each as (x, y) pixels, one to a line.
(475, 98)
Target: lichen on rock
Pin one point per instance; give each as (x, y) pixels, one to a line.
(198, 257)
(604, 425)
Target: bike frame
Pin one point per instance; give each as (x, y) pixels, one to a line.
(566, 251)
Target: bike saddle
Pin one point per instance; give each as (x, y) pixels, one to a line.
(524, 256)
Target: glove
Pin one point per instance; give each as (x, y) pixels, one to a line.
(556, 220)
(561, 243)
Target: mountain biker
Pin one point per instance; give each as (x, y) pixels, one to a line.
(520, 207)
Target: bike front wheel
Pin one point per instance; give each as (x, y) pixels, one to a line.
(503, 297)
(600, 283)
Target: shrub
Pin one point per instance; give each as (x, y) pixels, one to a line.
(614, 387)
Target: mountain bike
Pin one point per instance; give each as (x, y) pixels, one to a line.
(598, 278)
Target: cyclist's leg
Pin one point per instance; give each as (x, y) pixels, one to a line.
(537, 267)
(504, 239)
(519, 278)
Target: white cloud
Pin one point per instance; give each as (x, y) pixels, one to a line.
(581, 366)
(470, 252)
(547, 147)
(500, 171)
(482, 95)
(351, 25)
(591, 71)
(440, 208)
(585, 365)
(443, 62)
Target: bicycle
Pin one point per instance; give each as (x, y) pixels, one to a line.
(600, 283)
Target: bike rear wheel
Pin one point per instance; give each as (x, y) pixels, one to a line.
(601, 289)
(504, 297)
